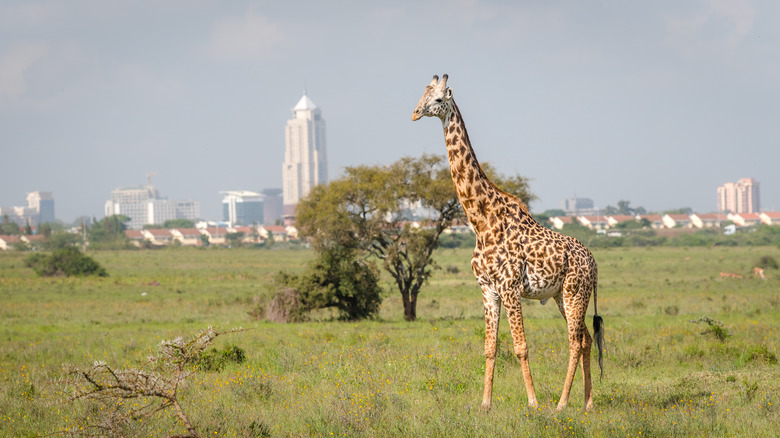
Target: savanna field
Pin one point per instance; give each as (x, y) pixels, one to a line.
(667, 371)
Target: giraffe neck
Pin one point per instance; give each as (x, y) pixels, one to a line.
(477, 194)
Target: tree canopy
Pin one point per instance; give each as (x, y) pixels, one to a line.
(370, 210)
(108, 233)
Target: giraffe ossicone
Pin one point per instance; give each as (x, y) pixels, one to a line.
(515, 257)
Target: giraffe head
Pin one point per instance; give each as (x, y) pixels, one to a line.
(436, 101)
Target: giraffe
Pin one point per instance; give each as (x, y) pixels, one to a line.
(515, 257)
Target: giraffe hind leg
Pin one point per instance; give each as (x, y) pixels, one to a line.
(575, 351)
(514, 314)
(587, 341)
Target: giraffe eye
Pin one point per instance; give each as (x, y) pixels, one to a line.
(438, 100)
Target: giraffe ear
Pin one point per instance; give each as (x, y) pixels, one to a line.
(448, 93)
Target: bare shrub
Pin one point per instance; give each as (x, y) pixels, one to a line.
(285, 306)
(714, 327)
(154, 386)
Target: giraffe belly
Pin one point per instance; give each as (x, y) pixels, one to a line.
(537, 288)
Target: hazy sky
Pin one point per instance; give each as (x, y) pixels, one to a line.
(654, 102)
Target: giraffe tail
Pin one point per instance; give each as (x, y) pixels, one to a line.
(598, 332)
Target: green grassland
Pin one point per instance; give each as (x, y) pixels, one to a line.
(663, 374)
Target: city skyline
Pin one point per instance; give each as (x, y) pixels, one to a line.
(657, 103)
(730, 196)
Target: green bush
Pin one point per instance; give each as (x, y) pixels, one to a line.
(65, 262)
(335, 279)
(767, 262)
(215, 360)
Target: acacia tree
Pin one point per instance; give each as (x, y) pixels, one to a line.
(367, 210)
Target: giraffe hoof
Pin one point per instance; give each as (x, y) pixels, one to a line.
(486, 406)
(561, 406)
(533, 404)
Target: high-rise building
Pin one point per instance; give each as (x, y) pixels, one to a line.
(161, 210)
(133, 203)
(144, 206)
(241, 207)
(579, 206)
(39, 210)
(740, 197)
(43, 205)
(273, 206)
(305, 157)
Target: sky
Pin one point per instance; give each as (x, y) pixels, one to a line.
(657, 103)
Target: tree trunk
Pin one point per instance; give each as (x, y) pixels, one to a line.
(410, 306)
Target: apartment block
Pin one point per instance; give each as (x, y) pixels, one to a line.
(739, 197)
(144, 206)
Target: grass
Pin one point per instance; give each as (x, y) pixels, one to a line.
(664, 374)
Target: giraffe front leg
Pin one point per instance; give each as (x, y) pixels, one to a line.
(514, 313)
(492, 314)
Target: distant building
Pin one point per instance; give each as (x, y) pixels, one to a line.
(133, 203)
(144, 206)
(43, 205)
(273, 206)
(579, 206)
(739, 197)
(305, 158)
(39, 210)
(242, 207)
(161, 210)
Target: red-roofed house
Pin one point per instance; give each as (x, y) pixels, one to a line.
(216, 235)
(770, 218)
(618, 218)
(593, 222)
(559, 221)
(656, 221)
(187, 236)
(7, 242)
(158, 236)
(276, 232)
(34, 240)
(745, 219)
(136, 237)
(251, 235)
(708, 220)
(676, 220)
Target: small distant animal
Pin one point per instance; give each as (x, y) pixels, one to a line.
(759, 272)
(730, 275)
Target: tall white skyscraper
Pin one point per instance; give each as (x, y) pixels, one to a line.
(305, 157)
